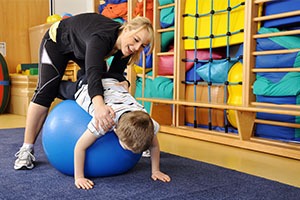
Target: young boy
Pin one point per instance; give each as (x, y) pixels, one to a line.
(132, 124)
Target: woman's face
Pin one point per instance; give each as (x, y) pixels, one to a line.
(132, 41)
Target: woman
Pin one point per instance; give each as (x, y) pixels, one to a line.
(87, 39)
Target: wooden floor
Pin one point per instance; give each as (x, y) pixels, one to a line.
(263, 165)
(11, 121)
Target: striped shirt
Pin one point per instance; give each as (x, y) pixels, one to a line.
(115, 96)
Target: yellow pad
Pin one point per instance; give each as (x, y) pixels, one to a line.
(235, 75)
(139, 69)
(219, 23)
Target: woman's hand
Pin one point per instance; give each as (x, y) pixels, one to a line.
(84, 183)
(158, 175)
(103, 114)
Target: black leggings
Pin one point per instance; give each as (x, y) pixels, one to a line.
(52, 65)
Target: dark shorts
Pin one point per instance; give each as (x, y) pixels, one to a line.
(52, 65)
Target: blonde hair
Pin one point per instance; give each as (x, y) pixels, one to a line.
(136, 130)
(137, 24)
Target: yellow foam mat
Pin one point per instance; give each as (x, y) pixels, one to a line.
(219, 25)
(139, 69)
(235, 75)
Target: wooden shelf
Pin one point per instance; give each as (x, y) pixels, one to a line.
(246, 112)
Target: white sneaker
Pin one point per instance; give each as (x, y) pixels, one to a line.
(25, 159)
(146, 153)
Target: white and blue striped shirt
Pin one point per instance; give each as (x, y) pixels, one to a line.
(115, 96)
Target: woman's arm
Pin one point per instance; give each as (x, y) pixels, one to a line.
(84, 142)
(96, 50)
(103, 114)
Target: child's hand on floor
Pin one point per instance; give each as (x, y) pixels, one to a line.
(84, 183)
(158, 175)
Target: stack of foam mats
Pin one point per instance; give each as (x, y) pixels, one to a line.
(278, 87)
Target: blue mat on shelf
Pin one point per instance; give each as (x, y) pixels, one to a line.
(278, 7)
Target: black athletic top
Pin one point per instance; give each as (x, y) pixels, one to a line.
(91, 37)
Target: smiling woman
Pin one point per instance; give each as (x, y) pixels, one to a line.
(137, 34)
(88, 40)
(133, 42)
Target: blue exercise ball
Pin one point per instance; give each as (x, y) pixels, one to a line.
(63, 127)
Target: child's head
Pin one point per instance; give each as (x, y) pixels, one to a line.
(135, 130)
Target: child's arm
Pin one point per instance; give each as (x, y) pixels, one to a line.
(86, 140)
(155, 157)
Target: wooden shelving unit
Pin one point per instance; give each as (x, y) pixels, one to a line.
(244, 113)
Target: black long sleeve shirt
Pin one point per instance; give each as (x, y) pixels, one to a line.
(91, 37)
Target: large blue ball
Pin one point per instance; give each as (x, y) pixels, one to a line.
(63, 127)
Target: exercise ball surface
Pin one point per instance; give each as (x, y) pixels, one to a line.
(63, 127)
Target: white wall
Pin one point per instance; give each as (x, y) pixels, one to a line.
(71, 6)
